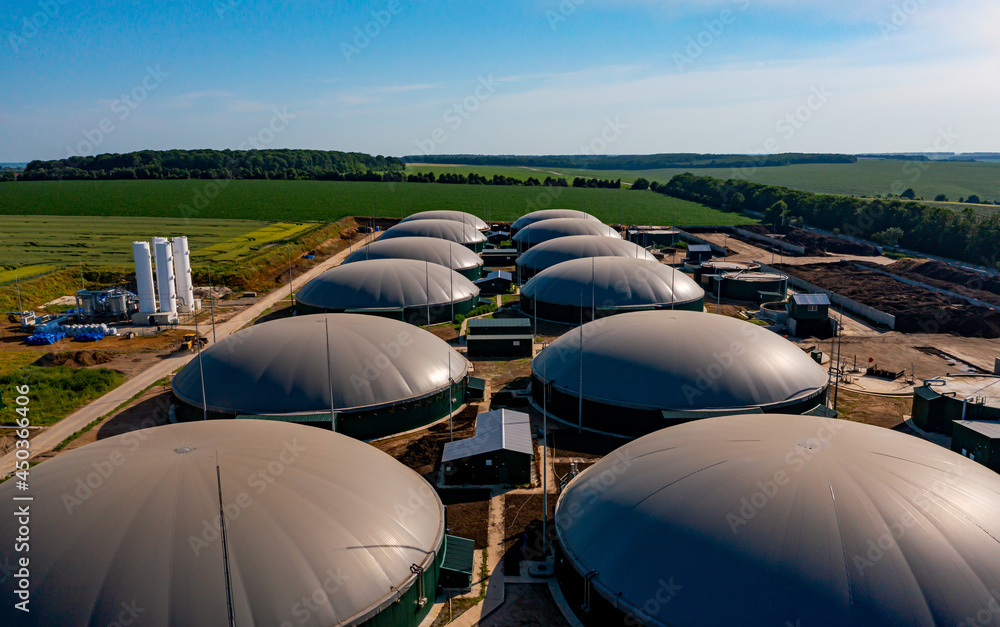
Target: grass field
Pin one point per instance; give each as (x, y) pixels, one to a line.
(24, 272)
(327, 201)
(44, 242)
(56, 391)
(865, 178)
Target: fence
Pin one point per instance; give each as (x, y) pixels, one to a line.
(904, 280)
(868, 313)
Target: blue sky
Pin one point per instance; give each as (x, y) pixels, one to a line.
(512, 77)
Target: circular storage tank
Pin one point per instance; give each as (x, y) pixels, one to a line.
(607, 286)
(781, 520)
(455, 216)
(440, 251)
(398, 288)
(755, 287)
(548, 214)
(127, 529)
(720, 267)
(647, 370)
(388, 376)
(464, 234)
(562, 249)
(546, 230)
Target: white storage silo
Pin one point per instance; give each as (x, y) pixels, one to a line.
(144, 277)
(165, 275)
(182, 264)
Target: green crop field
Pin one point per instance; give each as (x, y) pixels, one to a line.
(865, 178)
(40, 243)
(187, 202)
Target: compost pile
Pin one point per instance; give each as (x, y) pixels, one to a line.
(76, 359)
(984, 287)
(816, 243)
(917, 310)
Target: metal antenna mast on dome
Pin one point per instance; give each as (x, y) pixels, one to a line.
(329, 376)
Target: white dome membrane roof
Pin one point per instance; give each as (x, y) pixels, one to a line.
(280, 367)
(455, 216)
(440, 251)
(680, 360)
(555, 251)
(306, 510)
(612, 282)
(386, 284)
(550, 214)
(546, 230)
(442, 229)
(789, 519)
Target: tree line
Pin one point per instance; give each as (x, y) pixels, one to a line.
(204, 164)
(965, 235)
(635, 162)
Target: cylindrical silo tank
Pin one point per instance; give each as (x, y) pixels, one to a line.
(165, 274)
(144, 277)
(182, 264)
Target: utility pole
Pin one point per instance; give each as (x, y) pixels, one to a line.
(201, 370)
(451, 408)
(17, 286)
(329, 375)
(545, 459)
(211, 301)
(82, 286)
(291, 292)
(579, 428)
(427, 290)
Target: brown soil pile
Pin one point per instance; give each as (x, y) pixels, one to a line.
(421, 451)
(917, 310)
(815, 243)
(77, 359)
(985, 287)
(467, 513)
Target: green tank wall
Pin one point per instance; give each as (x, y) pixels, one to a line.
(406, 612)
(414, 315)
(365, 425)
(571, 314)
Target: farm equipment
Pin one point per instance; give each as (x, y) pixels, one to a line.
(188, 341)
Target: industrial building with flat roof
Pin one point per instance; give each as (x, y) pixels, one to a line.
(772, 520)
(556, 251)
(404, 289)
(942, 400)
(979, 441)
(648, 370)
(539, 232)
(499, 338)
(440, 251)
(582, 290)
(386, 376)
(465, 234)
(174, 527)
(499, 454)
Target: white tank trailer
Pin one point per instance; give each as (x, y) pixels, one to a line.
(144, 277)
(185, 285)
(165, 285)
